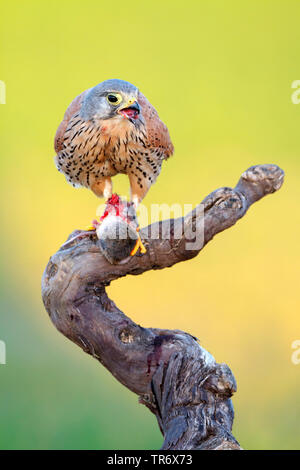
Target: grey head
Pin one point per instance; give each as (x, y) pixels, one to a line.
(111, 99)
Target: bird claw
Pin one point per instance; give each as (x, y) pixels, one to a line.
(139, 245)
(93, 226)
(89, 228)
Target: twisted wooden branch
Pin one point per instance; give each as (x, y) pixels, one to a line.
(173, 375)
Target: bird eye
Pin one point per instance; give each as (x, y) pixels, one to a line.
(114, 98)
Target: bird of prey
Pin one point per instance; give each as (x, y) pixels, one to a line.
(109, 129)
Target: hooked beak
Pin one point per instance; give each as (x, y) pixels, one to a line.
(131, 110)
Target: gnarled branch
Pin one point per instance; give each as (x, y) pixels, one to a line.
(174, 376)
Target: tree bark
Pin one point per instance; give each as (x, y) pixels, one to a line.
(173, 375)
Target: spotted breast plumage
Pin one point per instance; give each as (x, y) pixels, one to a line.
(109, 129)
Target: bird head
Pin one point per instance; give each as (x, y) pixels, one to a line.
(112, 99)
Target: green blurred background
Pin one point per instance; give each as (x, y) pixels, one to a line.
(220, 75)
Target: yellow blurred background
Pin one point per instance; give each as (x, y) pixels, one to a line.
(220, 75)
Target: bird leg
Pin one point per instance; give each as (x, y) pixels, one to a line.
(103, 187)
(138, 188)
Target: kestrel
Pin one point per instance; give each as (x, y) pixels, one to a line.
(109, 129)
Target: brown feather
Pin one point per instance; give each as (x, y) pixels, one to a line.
(72, 109)
(157, 131)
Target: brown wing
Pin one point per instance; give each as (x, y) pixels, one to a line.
(157, 132)
(73, 108)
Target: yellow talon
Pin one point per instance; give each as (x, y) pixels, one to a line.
(138, 245)
(90, 228)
